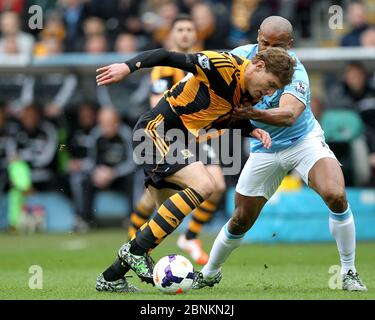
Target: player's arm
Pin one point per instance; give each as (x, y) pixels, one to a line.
(290, 108)
(159, 57)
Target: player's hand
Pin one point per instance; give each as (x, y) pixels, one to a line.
(112, 74)
(263, 136)
(245, 112)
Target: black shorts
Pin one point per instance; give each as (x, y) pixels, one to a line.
(162, 145)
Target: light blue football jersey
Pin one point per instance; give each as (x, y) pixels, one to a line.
(283, 137)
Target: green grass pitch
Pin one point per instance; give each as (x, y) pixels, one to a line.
(71, 262)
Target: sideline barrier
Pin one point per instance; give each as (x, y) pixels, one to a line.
(302, 216)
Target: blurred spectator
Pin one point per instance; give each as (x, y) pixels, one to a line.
(96, 44)
(130, 14)
(11, 30)
(74, 13)
(112, 152)
(126, 43)
(246, 18)
(356, 94)
(51, 38)
(298, 12)
(132, 90)
(368, 38)
(87, 89)
(52, 91)
(167, 12)
(358, 20)
(16, 89)
(212, 32)
(354, 88)
(111, 158)
(93, 26)
(15, 46)
(79, 142)
(36, 143)
(3, 147)
(13, 5)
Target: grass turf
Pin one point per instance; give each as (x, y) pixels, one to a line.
(71, 263)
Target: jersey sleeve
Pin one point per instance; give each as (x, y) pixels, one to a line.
(300, 86)
(247, 51)
(240, 51)
(162, 57)
(218, 68)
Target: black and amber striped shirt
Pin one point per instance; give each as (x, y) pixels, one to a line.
(206, 97)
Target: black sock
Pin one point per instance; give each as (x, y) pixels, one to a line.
(115, 271)
(136, 249)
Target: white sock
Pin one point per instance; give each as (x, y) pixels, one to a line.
(223, 246)
(341, 226)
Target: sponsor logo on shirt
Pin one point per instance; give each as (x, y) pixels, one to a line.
(301, 88)
(204, 62)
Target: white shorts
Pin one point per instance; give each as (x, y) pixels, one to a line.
(264, 172)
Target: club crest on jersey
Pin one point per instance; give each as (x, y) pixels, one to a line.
(186, 153)
(301, 87)
(204, 62)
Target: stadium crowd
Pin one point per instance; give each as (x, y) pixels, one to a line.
(76, 136)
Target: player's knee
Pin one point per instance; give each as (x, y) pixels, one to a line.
(205, 188)
(335, 198)
(220, 187)
(238, 225)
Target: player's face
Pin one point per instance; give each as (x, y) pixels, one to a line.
(262, 83)
(267, 39)
(184, 35)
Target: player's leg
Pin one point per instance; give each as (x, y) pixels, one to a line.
(327, 179)
(141, 213)
(259, 179)
(196, 186)
(202, 215)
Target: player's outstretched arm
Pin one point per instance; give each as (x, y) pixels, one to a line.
(159, 57)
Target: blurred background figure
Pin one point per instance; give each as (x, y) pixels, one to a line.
(368, 38)
(358, 20)
(36, 142)
(126, 43)
(110, 157)
(212, 30)
(52, 91)
(74, 12)
(80, 141)
(18, 42)
(355, 93)
(4, 140)
(31, 168)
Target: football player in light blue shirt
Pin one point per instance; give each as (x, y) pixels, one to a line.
(297, 143)
(299, 88)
